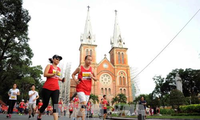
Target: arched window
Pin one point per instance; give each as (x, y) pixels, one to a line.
(109, 91)
(124, 91)
(105, 91)
(120, 80)
(91, 52)
(121, 91)
(122, 58)
(86, 52)
(101, 90)
(124, 81)
(118, 57)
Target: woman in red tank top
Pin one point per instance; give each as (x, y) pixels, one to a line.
(84, 83)
(51, 87)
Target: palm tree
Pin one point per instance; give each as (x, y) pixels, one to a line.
(122, 98)
(114, 100)
(94, 98)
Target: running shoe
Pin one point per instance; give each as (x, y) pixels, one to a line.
(39, 118)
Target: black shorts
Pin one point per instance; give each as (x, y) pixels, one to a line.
(71, 112)
(104, 111)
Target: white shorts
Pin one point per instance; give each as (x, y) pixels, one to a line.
(82, 97)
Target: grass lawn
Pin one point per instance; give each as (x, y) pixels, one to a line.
(168, 117)
(174, 117)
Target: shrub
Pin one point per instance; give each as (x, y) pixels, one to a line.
(190, 108)
(185, 114)
(167, 111)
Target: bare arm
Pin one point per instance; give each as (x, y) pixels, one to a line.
(93, 76)
(46, 74)
(74, 74)
(18, 93)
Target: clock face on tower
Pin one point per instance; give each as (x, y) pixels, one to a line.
(105, 65)
(105, 79)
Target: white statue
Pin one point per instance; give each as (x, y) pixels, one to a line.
(178, 82)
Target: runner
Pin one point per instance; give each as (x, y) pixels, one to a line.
(89, 109)
(75, 105)
(104, 103)
(60, 105)
(40, 104)
(51, 87)
(49, 109)
(84, 83)
(12, 93)
(71, 105)
(26, 107)
(33, 96)
(21, 107)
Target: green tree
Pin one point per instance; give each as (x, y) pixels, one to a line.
(190, 80)
(122, 98)
(161, 89)
(177, 98)
(15, 53)
(94, 98)
(114, 100)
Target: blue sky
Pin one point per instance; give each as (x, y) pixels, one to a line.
(146, 26)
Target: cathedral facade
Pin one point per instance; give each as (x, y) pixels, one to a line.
(113, 75)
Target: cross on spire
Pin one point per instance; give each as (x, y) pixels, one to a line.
(115, 12)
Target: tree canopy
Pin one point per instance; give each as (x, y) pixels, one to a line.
(15, 52)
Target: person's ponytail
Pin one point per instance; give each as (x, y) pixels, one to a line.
(50, 60)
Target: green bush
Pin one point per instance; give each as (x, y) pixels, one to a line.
(167, 111)
(193, 108)
(185, 114)
(121, 105)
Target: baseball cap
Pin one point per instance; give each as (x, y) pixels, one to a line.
(57, 56)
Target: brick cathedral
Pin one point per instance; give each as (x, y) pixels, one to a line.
(114, 74)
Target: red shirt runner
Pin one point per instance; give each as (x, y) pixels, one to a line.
(52, 82)
(105, 104)
(40, 105)
(86, 82)
(21, 105)
(76, 100)
(71, 107)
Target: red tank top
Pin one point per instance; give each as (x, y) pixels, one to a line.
(52, 82)
(85, 81)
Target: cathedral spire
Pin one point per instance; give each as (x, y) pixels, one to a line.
(116, 40)
(87, 37)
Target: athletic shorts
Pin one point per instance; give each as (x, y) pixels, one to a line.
(31, 106)
(82, 97)
(104, 111)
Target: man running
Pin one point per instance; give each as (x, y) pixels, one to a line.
(33, 96)
(104, 103)
(84, 83)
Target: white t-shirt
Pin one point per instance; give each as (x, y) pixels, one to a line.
(33, 96)
(11, 92)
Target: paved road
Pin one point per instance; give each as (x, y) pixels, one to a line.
(25, 117)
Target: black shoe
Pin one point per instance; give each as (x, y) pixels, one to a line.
(39, 118)
(29, 116)
(32, 114)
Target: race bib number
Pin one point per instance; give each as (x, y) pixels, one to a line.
(86, 76)
(58, 74)
(13, 97)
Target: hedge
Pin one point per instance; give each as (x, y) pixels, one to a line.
(167, 111)
(185, 114)
(193, 108)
